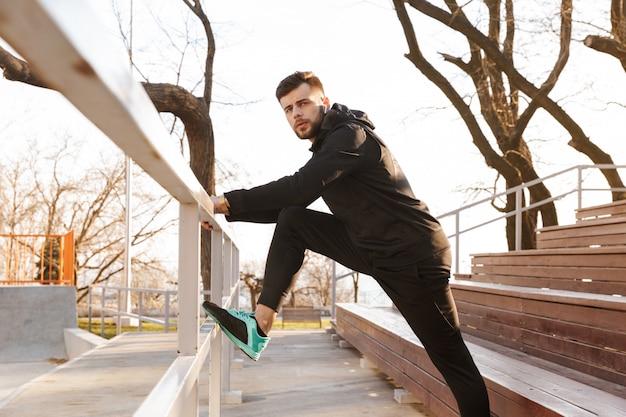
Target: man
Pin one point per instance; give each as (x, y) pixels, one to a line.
(377, 227)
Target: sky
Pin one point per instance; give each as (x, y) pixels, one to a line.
(357, 48)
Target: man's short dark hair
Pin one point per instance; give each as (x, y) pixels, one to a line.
(294, 81)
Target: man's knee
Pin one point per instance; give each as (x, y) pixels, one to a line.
(291, 216)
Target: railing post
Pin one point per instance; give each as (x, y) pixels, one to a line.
(118, 321)
(215, 358)
(457, 242)
(580, 187)
(227, 279)
(189, 290)
(89, 309)
(102, 299)
(139, 309)
(235, 272)
(166, 319)
(334, 292)
(518, 219)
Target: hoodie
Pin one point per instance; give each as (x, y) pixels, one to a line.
(363, 186)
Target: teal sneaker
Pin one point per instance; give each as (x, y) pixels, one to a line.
(240, 327)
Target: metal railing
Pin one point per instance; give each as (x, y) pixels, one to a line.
(64, 42)
(569, 196)
(106, 301)
(37, 259)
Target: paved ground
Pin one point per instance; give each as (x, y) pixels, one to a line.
(306, 374)
(111, 380)
(14, 375)
(301, 373)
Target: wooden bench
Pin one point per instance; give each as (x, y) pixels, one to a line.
(519, 385)
(302, 314)
(545, 327)
(597, 226)
(585, 332)
(614, 209)
(590, 270)
(565, 303)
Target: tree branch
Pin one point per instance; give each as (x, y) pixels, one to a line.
(579, 139)
(15, 69)
(607, 46)
(415, 56)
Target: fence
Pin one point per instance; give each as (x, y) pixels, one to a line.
(572, 183)
(108, 302)
(37, 259)
(64, 42)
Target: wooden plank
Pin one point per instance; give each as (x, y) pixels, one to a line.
(581, 285)
(589, 227)
(302, 314)
(593, 360)
(401, 356)
(571, 239)
(574, 257)
(551, 252)
(604, 364)
(614, 274)
(546, 379)
(616, 208)
(517, 388)
(587, 338)
(413, 379)
(602, 232)
(590, 309)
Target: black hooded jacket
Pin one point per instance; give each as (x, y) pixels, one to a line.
(362, 184)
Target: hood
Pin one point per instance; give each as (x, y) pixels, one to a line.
(340, 115)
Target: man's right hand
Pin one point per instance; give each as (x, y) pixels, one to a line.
(220, 204)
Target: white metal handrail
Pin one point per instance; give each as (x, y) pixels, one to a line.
(117, 310)
(64, 42)
(577, 189)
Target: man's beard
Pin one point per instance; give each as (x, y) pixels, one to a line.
(314, 129)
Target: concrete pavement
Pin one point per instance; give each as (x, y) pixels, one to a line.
(301, 373)
(306, 374)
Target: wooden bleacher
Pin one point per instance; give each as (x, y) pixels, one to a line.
(547, 327)
(598, 226)
(301, 315)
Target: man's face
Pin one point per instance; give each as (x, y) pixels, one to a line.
(304, 109)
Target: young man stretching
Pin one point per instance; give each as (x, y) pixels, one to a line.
(377, 227)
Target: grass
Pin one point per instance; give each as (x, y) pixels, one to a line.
(110, 329)
(298, 325)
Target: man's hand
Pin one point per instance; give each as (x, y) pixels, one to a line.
(220, 204)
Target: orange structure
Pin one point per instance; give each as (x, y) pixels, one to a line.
(37, 259)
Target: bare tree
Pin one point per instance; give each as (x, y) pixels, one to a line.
(312, 283)
(500, 89)
(43, 194)
(251, 276)
(614, 45)
(171, 98)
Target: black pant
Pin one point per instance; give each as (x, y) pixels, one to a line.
(420, 292)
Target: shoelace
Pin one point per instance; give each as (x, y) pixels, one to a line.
(241, 315)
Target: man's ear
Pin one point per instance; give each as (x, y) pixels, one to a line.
(326, 103)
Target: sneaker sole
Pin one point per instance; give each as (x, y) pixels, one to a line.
(244, 347)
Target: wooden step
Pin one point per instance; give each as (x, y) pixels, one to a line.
(519, 384)
(586, 332)
(615, 209)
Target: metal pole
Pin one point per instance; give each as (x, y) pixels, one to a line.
(334, 291)
(127, 240)
(518, 219)
(189, 291)
(457, 242)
